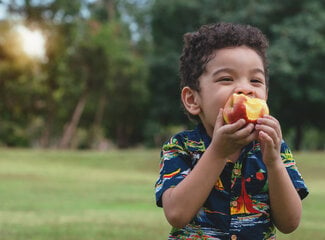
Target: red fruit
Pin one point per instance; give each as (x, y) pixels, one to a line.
(240, 106)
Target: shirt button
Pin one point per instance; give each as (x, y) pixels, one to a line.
(233, 237)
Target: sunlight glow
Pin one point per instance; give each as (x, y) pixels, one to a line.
(33, 42)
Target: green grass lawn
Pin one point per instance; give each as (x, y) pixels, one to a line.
(47, 195)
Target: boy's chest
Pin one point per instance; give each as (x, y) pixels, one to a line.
(241, 189)
(248, 175)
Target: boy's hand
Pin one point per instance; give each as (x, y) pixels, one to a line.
(270, 137)
(231, 138)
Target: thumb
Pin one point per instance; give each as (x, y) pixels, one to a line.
(220, 121)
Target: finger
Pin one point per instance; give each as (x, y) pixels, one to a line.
(270, 132)
(244, 131)
(232, 128)
(243, 136)
(220, 121)
(270, 117)
(265, 139)
(269, 120)
(272, 122)
(247, 139)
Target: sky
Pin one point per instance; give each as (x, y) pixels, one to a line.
(2, 10)
(3, 4)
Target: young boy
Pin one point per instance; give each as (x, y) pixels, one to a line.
(227, 181)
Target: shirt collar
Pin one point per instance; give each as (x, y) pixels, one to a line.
(203, 135)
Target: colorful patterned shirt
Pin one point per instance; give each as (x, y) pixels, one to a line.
(238, 206)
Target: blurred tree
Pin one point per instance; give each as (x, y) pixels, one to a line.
(96, 79)
(297, 56)
(169, 22)
(296, 33)
(16, 91)
(92, 60)
(122, 89)
(59, 19)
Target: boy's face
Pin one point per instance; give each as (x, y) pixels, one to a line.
(231, 70)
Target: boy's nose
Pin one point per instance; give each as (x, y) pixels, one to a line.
(244, 90)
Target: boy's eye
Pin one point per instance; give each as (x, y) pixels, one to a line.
(225, 79)
(257, 81)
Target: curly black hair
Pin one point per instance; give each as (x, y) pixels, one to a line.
(199, 46)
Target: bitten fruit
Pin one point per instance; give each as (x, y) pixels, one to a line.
(240, 106)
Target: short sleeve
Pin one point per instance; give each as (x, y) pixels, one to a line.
(292, 170)
(174, 167)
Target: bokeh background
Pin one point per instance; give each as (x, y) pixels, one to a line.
(102, 74)
(89, 91)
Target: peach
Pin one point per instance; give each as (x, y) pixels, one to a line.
(240, 106)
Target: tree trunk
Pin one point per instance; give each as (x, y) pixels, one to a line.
(95, 132)
(71, 127)
(122, 138)
(47, 130)
(45, 138)
(298, 137)
(110, 8)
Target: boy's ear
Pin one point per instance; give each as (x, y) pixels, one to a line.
(190, 100)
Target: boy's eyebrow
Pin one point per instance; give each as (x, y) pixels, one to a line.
(258, 70)
(222, 70)
(230, 70)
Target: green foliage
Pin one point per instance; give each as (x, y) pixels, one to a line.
(169, 23)
(92, 60)
(112, 68)
(127, 90)
(298, 71)
(296, 33)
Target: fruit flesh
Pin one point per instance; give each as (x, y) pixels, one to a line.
(254, 108)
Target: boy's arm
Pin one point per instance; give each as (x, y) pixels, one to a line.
(286, 206)
(183, 202)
